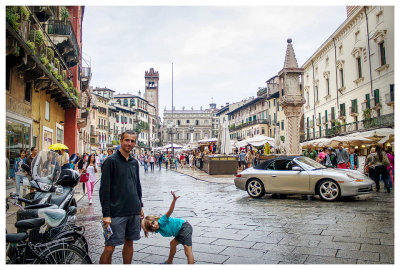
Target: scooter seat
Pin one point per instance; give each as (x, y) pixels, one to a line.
(16, 237)
(41, 206)
(30, 223)
(54, 217)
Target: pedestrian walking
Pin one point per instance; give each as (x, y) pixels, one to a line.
(191, 159)
(91, 169)
(242, 158)
(342, 157)
(321, 155)
(310, 153)
(151, 160)
(248, 159)
(353, 159)
(160, 160)
(168, 226)
(122, 211)
(34, 152)
(64, 159)
(81, 165)
(19, 173)
(330, 159)
(182, 160)
(369, 167)
(380, 162)
(176, 161)
(146, 163)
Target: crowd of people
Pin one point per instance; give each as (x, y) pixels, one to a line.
(379, 164)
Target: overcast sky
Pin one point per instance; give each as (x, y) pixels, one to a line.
(224, 53)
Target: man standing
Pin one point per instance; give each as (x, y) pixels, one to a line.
(33, 154)
(242, 157)
(310, 153)
(121, 199)
(353, 159)
(64, 159)
(342, 157)
(330, 159)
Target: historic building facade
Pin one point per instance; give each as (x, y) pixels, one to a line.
(189, 125)
(43, 77)
(349, 80)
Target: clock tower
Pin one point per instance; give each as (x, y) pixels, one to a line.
(151, 88)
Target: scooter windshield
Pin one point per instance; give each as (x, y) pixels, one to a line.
(46, 166)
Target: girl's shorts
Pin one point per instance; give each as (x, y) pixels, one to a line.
(184, 236)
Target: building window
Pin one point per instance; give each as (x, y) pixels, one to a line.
(59, 135)
(132, 102)
(277, 105)
(359, 67)
(283, 125)
(28, 91)
(47, 111)
(316, 92)
(341, 77)
(188, 121)
(382, 53)
(179, 122)
(197, 122)
(342, 109)
(376, 97)
(327, 86)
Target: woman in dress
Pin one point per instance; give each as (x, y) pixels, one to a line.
(91, 169)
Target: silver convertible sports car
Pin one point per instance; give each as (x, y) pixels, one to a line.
(302, 175)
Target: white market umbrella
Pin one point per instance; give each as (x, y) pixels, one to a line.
(174, 145)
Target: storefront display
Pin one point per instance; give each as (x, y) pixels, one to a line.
(17, 138)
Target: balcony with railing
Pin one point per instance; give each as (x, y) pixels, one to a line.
(102, 127)
(234, 127)
(86, 75)
(311, 125)
(331, 117)
(63, 36)
(318, 121)
(353, 111)
(363, 125)
(389, 98)
(38, 58)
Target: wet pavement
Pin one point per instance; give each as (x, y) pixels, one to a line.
(229, 227)
(232, 228)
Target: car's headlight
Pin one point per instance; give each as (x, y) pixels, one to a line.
(44, 186)
(354, 178)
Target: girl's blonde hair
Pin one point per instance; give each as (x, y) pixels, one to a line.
(146, 224)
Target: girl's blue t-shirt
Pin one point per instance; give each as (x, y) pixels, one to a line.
(169, 226)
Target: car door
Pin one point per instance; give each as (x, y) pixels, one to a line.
(282, 179)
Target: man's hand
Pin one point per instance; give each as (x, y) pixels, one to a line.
(141, 214)
(107, 221)
(175, 197)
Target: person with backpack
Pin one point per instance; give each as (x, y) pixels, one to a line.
(330, 159)
(380, 162)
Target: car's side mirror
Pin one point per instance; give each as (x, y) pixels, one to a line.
(296, 168)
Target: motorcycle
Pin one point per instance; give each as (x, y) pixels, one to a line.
(53, 185)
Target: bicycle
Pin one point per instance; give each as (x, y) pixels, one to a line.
(60, 251)
(65, 228)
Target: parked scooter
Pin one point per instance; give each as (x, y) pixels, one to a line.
(53, 185)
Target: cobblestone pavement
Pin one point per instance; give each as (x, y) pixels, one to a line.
(229, 227)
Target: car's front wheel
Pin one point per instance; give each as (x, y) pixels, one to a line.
(329, 190)
(255, 188)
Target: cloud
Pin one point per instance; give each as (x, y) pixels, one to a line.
(220, 52)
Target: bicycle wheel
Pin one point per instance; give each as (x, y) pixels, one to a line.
(63, 254)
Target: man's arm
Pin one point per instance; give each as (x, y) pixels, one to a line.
(139, 189)
(105, 190)
(171, 208)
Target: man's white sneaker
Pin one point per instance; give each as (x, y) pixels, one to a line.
(90, 201)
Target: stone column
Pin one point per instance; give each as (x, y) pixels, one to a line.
(292, 100)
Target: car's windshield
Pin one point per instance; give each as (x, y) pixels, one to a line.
(309, 164)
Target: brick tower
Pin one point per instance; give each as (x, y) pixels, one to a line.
(151, 88)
